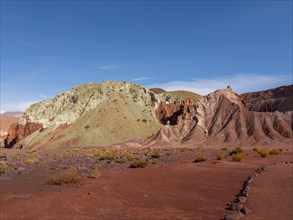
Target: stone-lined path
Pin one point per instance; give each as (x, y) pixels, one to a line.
(271, 194)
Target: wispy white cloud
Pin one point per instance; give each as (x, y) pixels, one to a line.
(141, 78)
(240, 83)
(109, 67)
(2, 111)
(43, 96)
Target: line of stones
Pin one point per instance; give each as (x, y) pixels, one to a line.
(236, 206)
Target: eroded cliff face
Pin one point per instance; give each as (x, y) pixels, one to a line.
(18, 132)
(221, 117)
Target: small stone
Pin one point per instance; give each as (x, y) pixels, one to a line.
(242, 199)
(232, 216)
(246, 210)
(235, 206)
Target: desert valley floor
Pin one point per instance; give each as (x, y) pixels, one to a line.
(171, 186)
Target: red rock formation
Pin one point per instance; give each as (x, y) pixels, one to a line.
(278, 99)
(223, 117)
(17, 132)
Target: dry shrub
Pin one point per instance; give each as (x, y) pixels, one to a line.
(138, 164)
(263, 152)
(96, 173)
(199, 159)
(220, 156)
(274, 152)
(156, 155)
(237, 156)
(70, 176)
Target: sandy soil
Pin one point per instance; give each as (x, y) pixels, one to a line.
(271, 194)
(171, 187)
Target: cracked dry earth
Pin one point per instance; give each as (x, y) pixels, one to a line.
(170, 187)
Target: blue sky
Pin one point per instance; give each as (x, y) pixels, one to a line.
(48, 47)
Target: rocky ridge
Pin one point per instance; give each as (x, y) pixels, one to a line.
(91, 110)
(116, 112)
(223, 117)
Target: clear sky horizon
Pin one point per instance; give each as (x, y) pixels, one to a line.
(48, 47)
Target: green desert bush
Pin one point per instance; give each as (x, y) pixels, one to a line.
(237, 157)
(199, 159)
(138, 164)
(70, 176)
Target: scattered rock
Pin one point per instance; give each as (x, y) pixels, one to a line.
(246, 210)
(232, 216)
(242, 199)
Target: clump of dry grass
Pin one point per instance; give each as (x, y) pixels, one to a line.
(31, 161)
(275, 152)
(220, 156)
(138, 164)
(70, 176)
(96, 173)
(199, 159)
(156, 155)
(263, 152)
(237, 157)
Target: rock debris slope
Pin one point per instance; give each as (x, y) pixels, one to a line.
(116, 112)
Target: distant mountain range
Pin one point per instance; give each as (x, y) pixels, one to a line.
(129, 114)
(12, 114)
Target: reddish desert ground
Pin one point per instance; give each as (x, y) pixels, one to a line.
(169, 187)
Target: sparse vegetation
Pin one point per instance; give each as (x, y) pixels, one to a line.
(156, 155)
(77, 149)
(236, 151)
(275, 152)
(144, 120)
(6, 169)
(70, 176)
(31, 161)
(224, 148)
(220, 156)
(88, 155)
(199, 159)
(97, 152)
(96, 173)
(15, 156)
(263, 152)
(120, 160)
(107, 157)
(138, 164)
(2, 162)
(237, 157)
